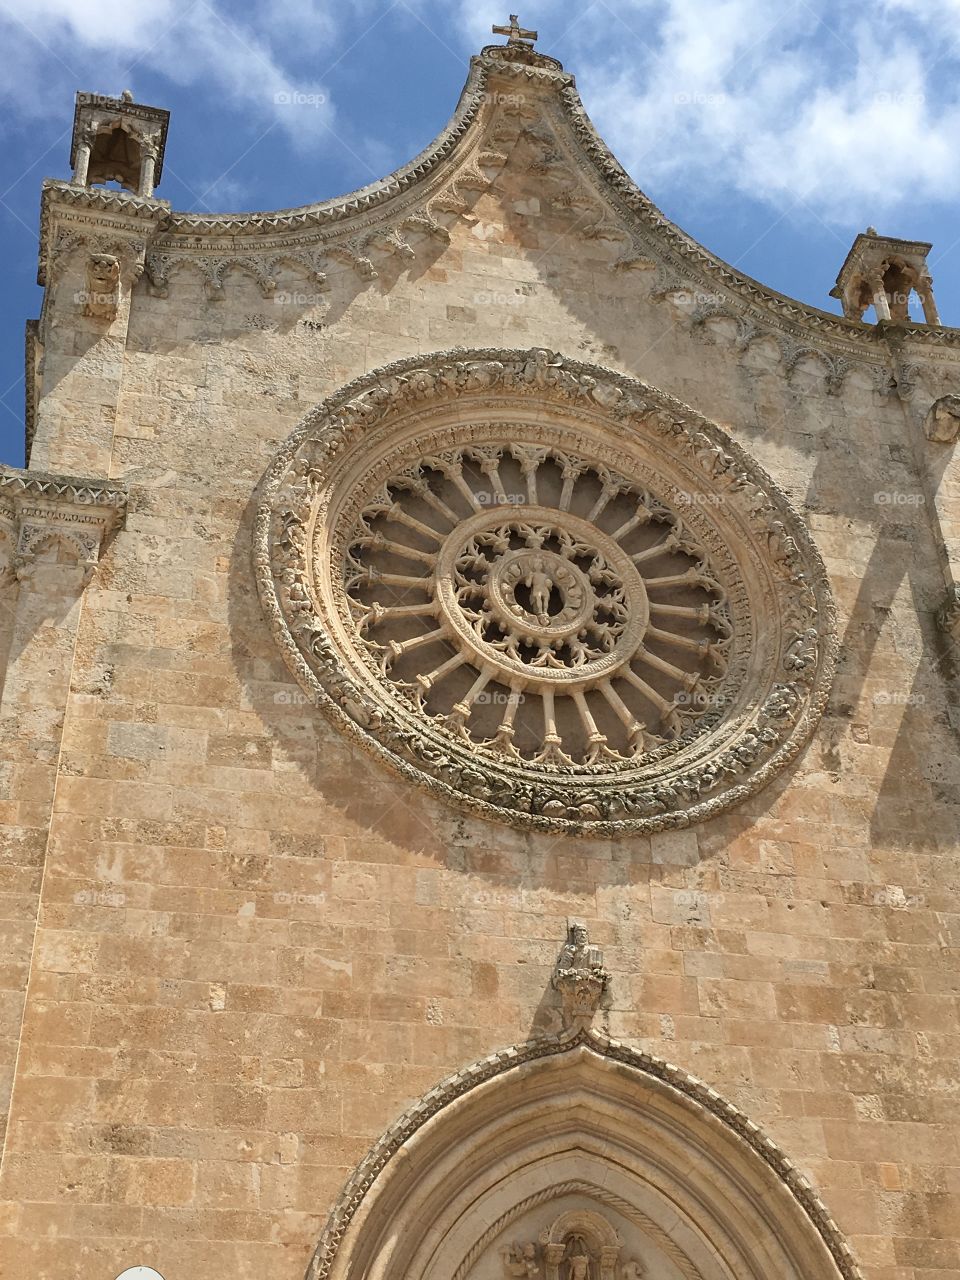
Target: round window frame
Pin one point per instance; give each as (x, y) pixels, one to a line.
(310, 491)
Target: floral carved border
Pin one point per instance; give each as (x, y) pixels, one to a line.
(687, 781)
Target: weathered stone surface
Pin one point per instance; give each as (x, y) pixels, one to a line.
(239, 949)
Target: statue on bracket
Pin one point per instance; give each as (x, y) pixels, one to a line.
(579, 976)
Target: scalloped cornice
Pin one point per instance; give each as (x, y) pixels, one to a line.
(37, 509)
(679, 250)
(376, 194)
(76, 490)
(100, 209)
(403, 199)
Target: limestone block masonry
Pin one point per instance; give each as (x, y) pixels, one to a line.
(480, 787)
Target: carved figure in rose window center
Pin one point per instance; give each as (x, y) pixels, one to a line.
(541, 585)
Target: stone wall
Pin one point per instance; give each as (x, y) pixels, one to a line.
(256, 948)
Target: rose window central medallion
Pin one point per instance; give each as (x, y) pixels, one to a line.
(537, 589)
(545, 591)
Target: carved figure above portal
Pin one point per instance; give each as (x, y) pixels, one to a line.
(579, 975)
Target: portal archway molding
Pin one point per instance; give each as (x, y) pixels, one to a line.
(578, 1124)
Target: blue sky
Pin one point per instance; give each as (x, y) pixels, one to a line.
(771, 131)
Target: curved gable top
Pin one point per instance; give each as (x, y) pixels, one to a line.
(578, 1128)
(466, 155)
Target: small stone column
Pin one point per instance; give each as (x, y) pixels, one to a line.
(925, 292)
(880, 301)
(553, 1256)
(81, 160)
(147, 171)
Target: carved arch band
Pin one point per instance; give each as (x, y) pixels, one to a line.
(576, 1158)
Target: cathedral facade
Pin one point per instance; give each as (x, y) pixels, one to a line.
(479, 733)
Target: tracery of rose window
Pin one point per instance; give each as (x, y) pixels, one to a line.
(542, 606)
(544, 591)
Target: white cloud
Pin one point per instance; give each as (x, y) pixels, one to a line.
(814, 101)
(110, 22)
(192, 42)
(808, 102)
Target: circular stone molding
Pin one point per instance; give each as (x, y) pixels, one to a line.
(548, 592)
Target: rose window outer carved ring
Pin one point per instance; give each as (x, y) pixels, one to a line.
(547, 592)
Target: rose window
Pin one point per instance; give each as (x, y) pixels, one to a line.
(544, 591)
(537, 604)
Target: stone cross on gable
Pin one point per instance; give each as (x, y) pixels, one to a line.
(516, 35)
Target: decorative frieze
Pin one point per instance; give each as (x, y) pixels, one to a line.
(98, 220)
(56, 526)
(113, 261)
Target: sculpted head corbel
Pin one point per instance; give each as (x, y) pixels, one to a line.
(102, 295)
(942, 422)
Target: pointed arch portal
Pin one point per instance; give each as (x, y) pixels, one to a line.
(576, 1158)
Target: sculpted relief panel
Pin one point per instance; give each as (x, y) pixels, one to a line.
(568, 1239)
(545, 591)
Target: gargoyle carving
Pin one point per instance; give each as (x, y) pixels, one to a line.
(942, 422)
(101, 298)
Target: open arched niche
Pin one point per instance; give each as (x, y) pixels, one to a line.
(577, 1158)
